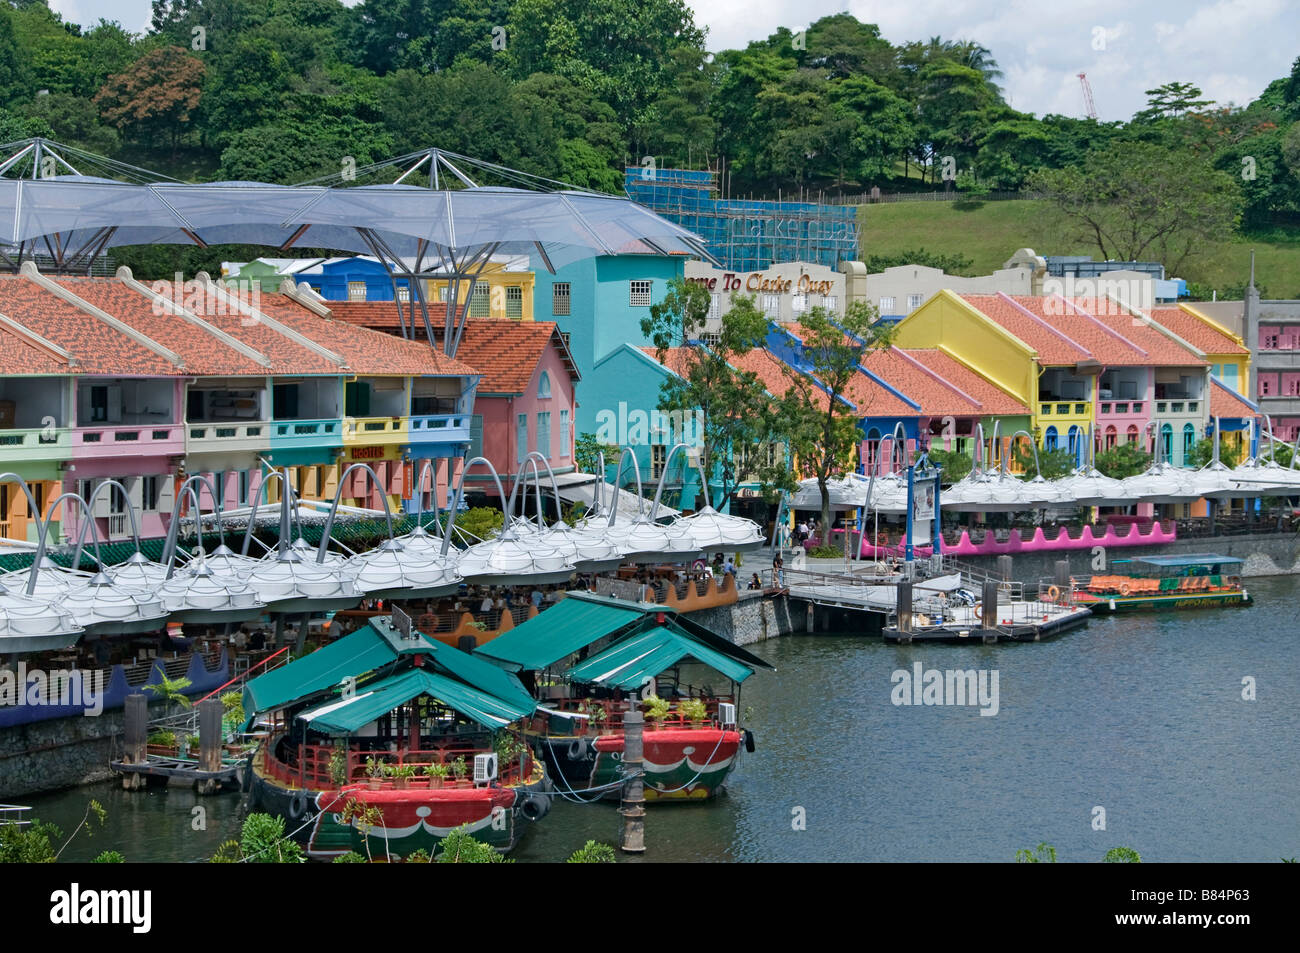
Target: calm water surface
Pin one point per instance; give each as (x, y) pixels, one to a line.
(1140, 715)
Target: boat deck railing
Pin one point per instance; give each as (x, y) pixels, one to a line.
(14, 815)
(311, 765)
(614, 710)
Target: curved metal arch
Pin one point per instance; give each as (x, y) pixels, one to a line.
(640, 491)
(1032, 446)
(533, 457)
(425, 467)
(90, 504)
(286, 490)
(460, 492)
(173, 530)
(704, 484)
(41, 546)
(334, 508)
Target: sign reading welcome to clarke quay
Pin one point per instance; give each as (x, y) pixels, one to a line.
(765, 283)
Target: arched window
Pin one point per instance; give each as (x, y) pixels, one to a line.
(1050, 439)
(1075, 444)
(1112, 437)
(1132, 434)
(544, 386)
(1189, 441)
(1166, 443)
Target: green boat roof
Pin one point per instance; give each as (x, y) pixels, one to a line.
(629, 662)
(362, 651)
(371, 648)
(573, 623)
(347, 715)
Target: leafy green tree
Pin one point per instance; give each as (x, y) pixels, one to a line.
(262, 840)
(955, 465)
(73, 119)
(1122, 460)
(587, 450)
(818, 415)
(1171, 100)
(879, 121)
(592, 852)
(170, 690)
(1122, 855)
(15, 71)
(1203, 452)
(481, 522)
(1044, 853)
(155, 98)
(1052, 464)
(733, 404)
(953, 264)
(460, 847)
(109, 857)
(1139, 201)
(32, 844)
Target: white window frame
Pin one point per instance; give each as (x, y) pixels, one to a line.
(887, 304)
(356, 291)
(914, 302)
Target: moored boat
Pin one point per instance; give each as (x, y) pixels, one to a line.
(1159, 583)
(385, 741)
(593, 659)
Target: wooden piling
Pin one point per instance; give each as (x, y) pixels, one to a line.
(633, 806)
(136, 725)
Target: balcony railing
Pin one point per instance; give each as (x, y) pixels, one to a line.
(442, 428)
(1178, 406)
(35, 444)
(375, 429)
(1120, 407)
(228, 435)
(327, 431)
(136, 438)
(1064, 408)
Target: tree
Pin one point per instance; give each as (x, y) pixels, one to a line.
(587, 450)
(1050, 464)
(734, 408)
(819, 412)
(15, 74)
(592, 852)
(954, 264)
(1123, 460)
(1203, 452)
(956, 465)
(1171, 100)
(1137, 201)
(460, 847)
(154, 98)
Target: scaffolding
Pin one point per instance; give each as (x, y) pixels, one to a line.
(746, 235)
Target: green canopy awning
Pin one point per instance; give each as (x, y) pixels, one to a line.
(629, 662)
(573, 623)
(353, 655)
(347, 715)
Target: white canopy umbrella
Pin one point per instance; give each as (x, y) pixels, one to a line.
(1162, 483)
(288, 583)
(105, 608)
(391, 570)
(35, 625)
(199, 595)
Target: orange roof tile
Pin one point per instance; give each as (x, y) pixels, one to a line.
(1161, 350)
(943, 385)
(773, 373)
(507, 353)
(1196, 332)
(1053, 347)
(1225, 402)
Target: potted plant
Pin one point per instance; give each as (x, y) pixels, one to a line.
(436, 773)
(598, 719)
(459, 768)
(695, 711)
(374, 774)
(657, 709)
(401, 774)
(338, 767)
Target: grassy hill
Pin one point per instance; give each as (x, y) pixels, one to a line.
(990, 232)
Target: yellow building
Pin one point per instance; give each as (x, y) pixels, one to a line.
(502, 291)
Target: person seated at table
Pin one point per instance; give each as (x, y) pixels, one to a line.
(755, 582)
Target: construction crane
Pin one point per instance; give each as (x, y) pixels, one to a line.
(1088, 104)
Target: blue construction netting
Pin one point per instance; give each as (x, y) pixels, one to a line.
(746, 235)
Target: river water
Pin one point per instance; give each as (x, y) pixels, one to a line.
(1132, 731)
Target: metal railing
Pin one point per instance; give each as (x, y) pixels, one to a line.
(12, 815)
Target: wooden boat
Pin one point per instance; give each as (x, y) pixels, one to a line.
(1159, 583)
(356, 730)
(591, 659)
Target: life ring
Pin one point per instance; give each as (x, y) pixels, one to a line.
(1124, 589)
(1053, 593)
(699, 565)
(298, 805)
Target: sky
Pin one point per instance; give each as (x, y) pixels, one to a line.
(1230, 49)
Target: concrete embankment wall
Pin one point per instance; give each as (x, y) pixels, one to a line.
(60, 753)
(754, 620)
